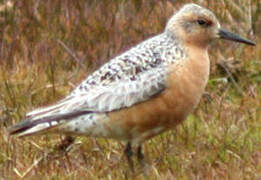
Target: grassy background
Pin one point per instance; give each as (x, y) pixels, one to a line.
(48, 47)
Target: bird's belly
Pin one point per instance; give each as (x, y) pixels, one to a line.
(166, 110)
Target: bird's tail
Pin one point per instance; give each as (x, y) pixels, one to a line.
(43, 119)
(41, 124)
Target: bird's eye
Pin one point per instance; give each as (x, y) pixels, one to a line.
(201, 22)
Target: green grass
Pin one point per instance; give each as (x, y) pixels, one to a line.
(48, 47)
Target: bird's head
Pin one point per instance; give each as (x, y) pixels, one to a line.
(198, 26)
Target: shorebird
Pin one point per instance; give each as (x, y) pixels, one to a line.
(147, 90)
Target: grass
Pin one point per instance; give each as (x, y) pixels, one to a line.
(48, 47)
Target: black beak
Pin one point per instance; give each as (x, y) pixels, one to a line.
(224, 34)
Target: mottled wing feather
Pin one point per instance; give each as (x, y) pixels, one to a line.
(150, 54)
(121, 94)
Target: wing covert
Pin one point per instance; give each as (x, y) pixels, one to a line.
(121, 94)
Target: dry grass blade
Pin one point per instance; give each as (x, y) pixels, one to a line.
(72, 54)
(22, 175)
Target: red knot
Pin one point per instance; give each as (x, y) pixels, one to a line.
(147, 90)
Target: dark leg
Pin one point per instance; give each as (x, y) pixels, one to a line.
(128, 152)
(66, 142)
(140, 156)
